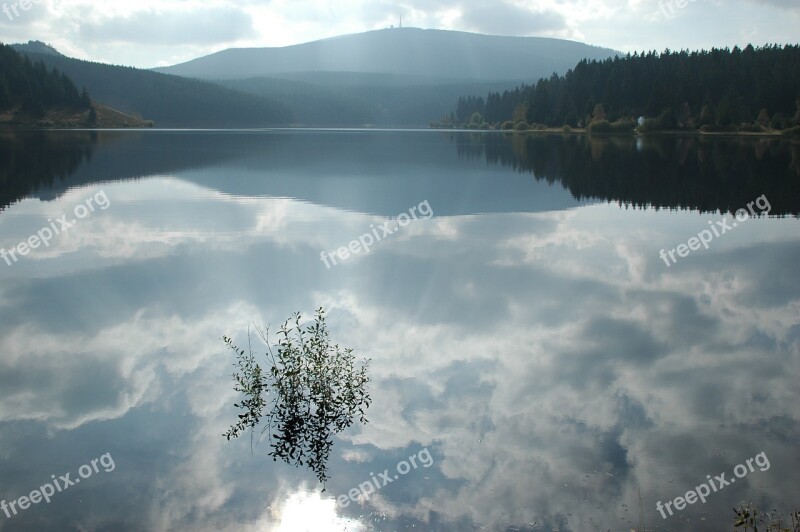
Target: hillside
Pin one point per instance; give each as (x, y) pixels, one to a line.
(63, 117)
(391, 78)
(750, 90)
(356, 99)
(404, 51)
(170, 101)
(36, 47)
(33, 88)
(386, 78)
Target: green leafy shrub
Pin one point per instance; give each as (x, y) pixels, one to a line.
(750, 128)
(600, 126)
(623, 125)
(315, 390)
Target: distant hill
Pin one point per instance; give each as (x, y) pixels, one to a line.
(394, 78)
(439, 54)
(33, 96)
(389, 78)
(36, 47)
(170, 101)
(355, 99)
(32, 89)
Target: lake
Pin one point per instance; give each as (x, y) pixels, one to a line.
(564, 333)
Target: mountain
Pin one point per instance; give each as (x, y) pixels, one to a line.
(32, 95)
(170, 101)
(36, 47)
(390, 78)
(452, 55)
(31, 87)
(400, 77)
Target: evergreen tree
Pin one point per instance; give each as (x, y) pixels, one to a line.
(31, 86)
(5, 93)
(727, 87)
(84, 99)
(91, 120)
(797, 114)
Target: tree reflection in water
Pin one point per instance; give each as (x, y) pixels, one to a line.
(314, 389)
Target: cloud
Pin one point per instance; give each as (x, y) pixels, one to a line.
(12, 14)
(206, 26)
(509, 19)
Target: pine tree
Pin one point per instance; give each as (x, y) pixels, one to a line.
(5, 94)
(797, 114)
(85, 101)
(91, 120)
(730, 86)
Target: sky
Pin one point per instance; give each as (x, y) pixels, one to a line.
(150, 33)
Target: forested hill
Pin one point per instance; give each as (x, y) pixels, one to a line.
(399, 77)
(170, 101)
(447, 55)
(31, 87)
(717, 89)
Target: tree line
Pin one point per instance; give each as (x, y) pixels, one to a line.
(170, 101)
(706, 174)
(721, 89)
(33, 88)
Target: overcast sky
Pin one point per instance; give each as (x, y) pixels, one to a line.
(149, 33)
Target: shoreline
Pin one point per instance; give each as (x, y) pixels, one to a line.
(29, 126)
(666, 132)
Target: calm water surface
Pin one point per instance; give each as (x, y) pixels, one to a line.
(527, 333)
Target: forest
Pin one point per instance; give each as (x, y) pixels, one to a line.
(170, 101)
(31, 87)
(750, 89)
